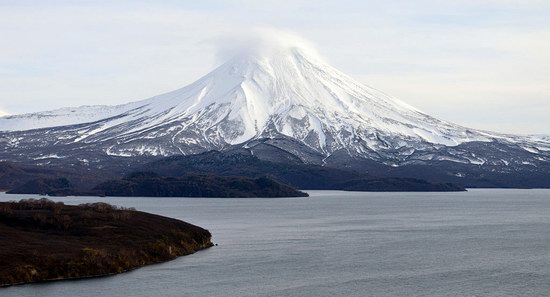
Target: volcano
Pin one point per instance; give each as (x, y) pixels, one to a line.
(282, 103)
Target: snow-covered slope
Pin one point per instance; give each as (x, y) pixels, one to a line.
(282, 91)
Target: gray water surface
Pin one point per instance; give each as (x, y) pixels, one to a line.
(477, 243)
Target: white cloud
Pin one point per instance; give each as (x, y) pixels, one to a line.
(260, 40)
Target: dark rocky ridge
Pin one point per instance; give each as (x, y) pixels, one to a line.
(46, 186)
(299, 175)
(242, 163)
(147, 184)
(14, 174)
(207, 169)
(151, 185)
(42, 240)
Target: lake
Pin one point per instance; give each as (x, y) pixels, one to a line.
(484, 242)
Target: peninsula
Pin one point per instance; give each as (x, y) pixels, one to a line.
(42, 240)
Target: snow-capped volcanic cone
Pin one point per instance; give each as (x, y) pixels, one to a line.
(280, 93)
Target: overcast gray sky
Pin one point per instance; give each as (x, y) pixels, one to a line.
(483, 64)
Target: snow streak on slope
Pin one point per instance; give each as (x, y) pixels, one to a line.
(276, 89)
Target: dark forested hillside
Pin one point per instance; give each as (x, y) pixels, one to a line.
(44, 240)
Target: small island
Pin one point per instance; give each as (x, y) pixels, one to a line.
(42, 240)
